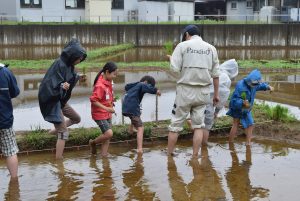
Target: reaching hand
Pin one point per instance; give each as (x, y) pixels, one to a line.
(158, 93)
(271, 89)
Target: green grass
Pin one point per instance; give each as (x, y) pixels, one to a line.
(39, 139)
(89, 63)
(106, 51)
(269, 63)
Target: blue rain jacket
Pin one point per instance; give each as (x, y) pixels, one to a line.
(236, 109)
(8, 90)
(133, 97)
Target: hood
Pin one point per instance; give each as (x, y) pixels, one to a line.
(230, 67)
(73, 51)
(254, 77)
(130, 85)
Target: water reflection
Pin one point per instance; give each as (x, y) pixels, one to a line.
(223, 175)
(68, 186)
(13, 192)
(33, 52)
(238, 179)
(205, 176)
(133, 179)
(103, 186)
(200, 187)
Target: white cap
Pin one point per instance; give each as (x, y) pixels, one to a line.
(2, 65)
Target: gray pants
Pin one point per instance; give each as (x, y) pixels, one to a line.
(62, 128)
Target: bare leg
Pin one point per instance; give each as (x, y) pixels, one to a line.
(104, 148)
(197, 141)
(139, 139)
(104, 139)
(172, 139)
(205, 136)
(233, 130)
(60, 146)
(12, 165)
(249, 134)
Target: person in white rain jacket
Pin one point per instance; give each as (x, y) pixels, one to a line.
(228, 71)
(198, 63)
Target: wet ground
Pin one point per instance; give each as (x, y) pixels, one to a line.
(224, 172)
(287, 92)
(150, 53)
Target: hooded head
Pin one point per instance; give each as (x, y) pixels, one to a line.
(230, 67)
(72, 52)
(253, 78)
(191, 30)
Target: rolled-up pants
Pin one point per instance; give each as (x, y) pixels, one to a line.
(62, 128)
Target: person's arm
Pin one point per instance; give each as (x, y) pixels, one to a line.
(148, 88)
(176, 59)
(14, 90)
(108, 109)
(264, 87)
(216, 98)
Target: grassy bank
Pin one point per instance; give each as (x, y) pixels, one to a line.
(39, 139)
(90, 63)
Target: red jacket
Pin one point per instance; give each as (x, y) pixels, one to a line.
(102, 93)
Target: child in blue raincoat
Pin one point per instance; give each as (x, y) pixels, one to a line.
(242, 101)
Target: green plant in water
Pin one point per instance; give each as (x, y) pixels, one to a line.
(168, 46)
(278, 113)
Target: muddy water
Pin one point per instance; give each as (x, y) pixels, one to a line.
(224, 172)
(150, 53)
(287, 91)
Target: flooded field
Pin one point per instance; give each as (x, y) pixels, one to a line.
(151, 53)
(224, 172)
(287, 91)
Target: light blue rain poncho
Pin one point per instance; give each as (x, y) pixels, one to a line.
(248, 86)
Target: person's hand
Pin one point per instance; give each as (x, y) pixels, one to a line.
(110, 109)
(216, 100)
(168, 56)
(271, 89)
(246, 104)
(65, 86)
(158, 93)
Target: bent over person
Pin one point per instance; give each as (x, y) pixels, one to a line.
(197, 62)
(55, 91)
(9, 148)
